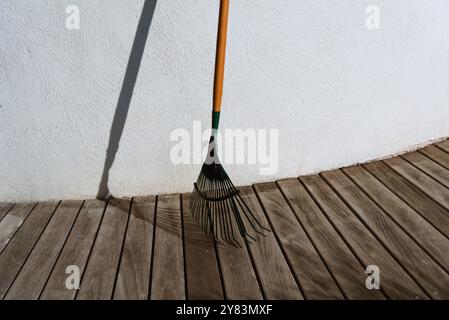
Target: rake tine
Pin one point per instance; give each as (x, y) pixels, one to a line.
(248, 213)
(219, 208)
(226, 221)
(222, 223)
(255, 224)
(242, 227)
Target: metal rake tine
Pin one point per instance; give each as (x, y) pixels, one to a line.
(242, 227)
(231, 216)
(226, 224)
(249, 215)
(230, 226)
(247, 211)
(222, 223)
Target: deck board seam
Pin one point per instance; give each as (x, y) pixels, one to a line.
(7, 211)
(406, 196)
(62, 249)
(220, 271)
(122, 249)
(430, 197)
(311, 240)
(442, 149)
(385, 212)
(150, 282)
(256, 272)
(382, 243)
(91, 249)
(253, 264)
(32, 248)
(279, 242)
(434, 160)
(181, 209)
(17, 230)
(351, 249)
(426, 173)
(405, 200)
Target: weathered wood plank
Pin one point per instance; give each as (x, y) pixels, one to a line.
(34, 273)
(347, 271)
(12, 222)
(408, 192)
(4, 209)
(202, 272)
(168, 279)
(17, 251)
(444, 145)
(436, 154)
(421, 180)
(133, 281)
(428, 166)
(325, 233)
(239, 278)
(310, 271)
(76, 251)
(435, 243)
(99, 277)
(271, 265)
(432, 278)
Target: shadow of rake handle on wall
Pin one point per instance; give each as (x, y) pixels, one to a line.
(126, 93)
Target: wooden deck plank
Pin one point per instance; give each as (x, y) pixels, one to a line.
(239, 278)
(168, 279)
(421, 180)
(429, 166)
(395, 281)
(99, 277)
(12, 222)
(432, 278)
(436, 154)
(435, 243)
(32, 277)
(326, 229)
(4, 209)
(202, 272)
(413, 196)
(444, 145)
(309, 269)
(275, 275)
(76, 251)
(345, 268)
(20, 246)
(133, 281)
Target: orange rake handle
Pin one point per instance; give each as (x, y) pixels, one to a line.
(220, 54)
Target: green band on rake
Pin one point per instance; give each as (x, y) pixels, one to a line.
(215, 119)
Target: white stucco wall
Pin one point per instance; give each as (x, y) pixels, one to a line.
(338, 93)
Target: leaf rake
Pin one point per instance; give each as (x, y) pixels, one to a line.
(215, 202)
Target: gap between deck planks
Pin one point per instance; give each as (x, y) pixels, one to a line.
(21, 245)
(325, 230)
(75, 251)
(133, 280)
(45, 253)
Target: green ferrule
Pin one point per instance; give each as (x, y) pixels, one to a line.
(215, 119)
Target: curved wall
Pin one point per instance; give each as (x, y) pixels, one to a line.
(338, 91)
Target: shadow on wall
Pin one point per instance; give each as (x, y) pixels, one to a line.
(129, 81)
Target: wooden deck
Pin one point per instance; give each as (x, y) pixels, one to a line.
(327, 229)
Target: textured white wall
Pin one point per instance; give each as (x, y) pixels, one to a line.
(338, 93)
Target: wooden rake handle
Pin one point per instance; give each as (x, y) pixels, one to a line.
(220, 54)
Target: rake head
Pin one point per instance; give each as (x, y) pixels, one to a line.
(217, 206)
